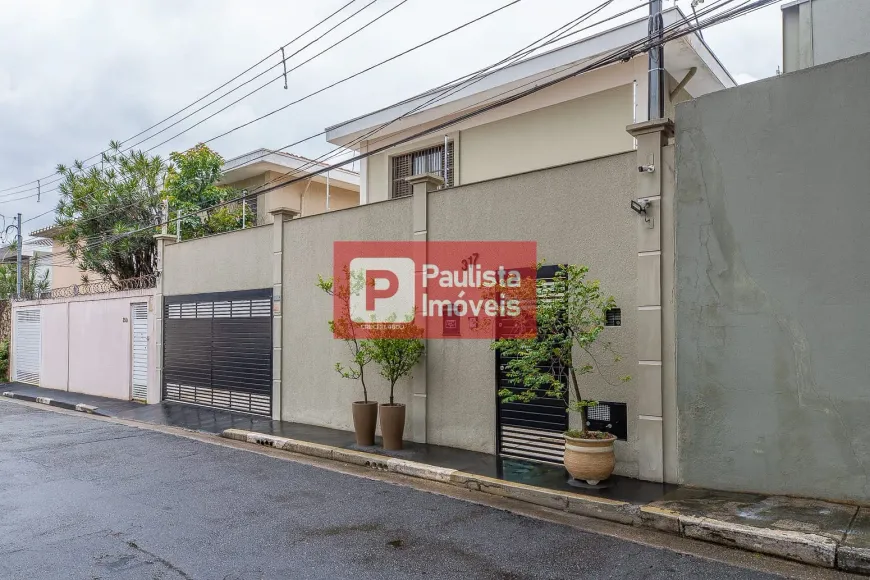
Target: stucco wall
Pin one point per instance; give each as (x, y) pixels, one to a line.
(592, 226)
(307, 198)
(584, 128)
(86, 343)
(773, 285)
(239, 260)
(312, 392)
(577, 213)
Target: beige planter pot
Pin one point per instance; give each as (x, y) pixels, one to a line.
(365, 419)
(392, 425)
(590, 460)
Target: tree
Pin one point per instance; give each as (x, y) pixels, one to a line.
(102, 208)
(396, 348)
(191, 187)
(570, 313)
(33, 283)
(343, 326)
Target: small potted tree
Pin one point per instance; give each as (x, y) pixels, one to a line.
(570, 315)
(365, 412)
(395, 348)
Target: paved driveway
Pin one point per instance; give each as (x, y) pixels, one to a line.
(81, 498)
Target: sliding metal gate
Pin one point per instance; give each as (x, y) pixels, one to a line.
(217, 350)
(530, 430)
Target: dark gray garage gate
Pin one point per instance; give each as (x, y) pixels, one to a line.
(217, 350)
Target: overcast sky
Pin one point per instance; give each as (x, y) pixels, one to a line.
(75, 74)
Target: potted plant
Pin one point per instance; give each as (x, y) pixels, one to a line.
(395, 348)
(365, 412)
(570, 316)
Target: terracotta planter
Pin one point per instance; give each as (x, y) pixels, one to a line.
(365, 419)
(590, 460)
(392, 425)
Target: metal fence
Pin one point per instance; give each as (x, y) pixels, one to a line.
(104, 287)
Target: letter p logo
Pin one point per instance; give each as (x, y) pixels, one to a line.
(388, 293)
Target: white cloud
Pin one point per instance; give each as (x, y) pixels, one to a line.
(77, 74)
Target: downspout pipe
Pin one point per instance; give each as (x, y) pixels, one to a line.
(656, 99)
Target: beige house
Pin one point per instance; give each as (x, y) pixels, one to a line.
(62, 271)
(559, 167)
(337, 189)
(578, 119)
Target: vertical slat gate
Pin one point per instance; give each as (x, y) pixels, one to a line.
(139, 317)
(218, 350)
(28, 345)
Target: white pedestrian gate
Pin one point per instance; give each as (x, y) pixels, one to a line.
(27, 343)
(139, 316)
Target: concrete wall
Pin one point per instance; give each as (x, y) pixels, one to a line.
(773, 285)
(577, 213)
(312, 391)
(87, 343)
(239, 260)
(592, 226)
(821, 31)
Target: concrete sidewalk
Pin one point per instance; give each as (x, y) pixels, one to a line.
(815, 532)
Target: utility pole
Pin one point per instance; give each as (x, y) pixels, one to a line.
(656, 100)
(18, 267)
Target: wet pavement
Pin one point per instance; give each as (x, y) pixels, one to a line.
(215, 421)
(81, 498)
(831, 520)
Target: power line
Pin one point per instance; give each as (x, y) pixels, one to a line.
(617, 55)
(463, 82)
(264, 85)
(451, 85)
(623, 53)
(418, 46)
(238, 76)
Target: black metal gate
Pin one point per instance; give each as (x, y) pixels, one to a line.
(217, 350)
(530, 430)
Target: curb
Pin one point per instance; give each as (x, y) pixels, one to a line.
(607, 509)
(81, 407)
(807, 548)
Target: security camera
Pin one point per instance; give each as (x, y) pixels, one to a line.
(640, 206)
(646, 168)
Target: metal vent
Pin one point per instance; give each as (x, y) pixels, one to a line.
(613, 317)
(608, 417)
(430, 160)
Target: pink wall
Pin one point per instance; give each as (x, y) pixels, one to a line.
(86, 344)
(55, 356)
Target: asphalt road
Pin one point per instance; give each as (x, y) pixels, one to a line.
(88, 499)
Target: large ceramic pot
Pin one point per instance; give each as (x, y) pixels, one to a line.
(392, 425)
(590, 460)
(365, 419)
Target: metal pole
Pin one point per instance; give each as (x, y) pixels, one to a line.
(656, 100)
(165, 217)
(178, 226)
(327, 191)
(18, 267)
(244, 216)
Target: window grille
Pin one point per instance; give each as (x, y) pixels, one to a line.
(429, 160)
(613, 317)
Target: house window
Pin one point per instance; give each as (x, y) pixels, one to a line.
(429, 160)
